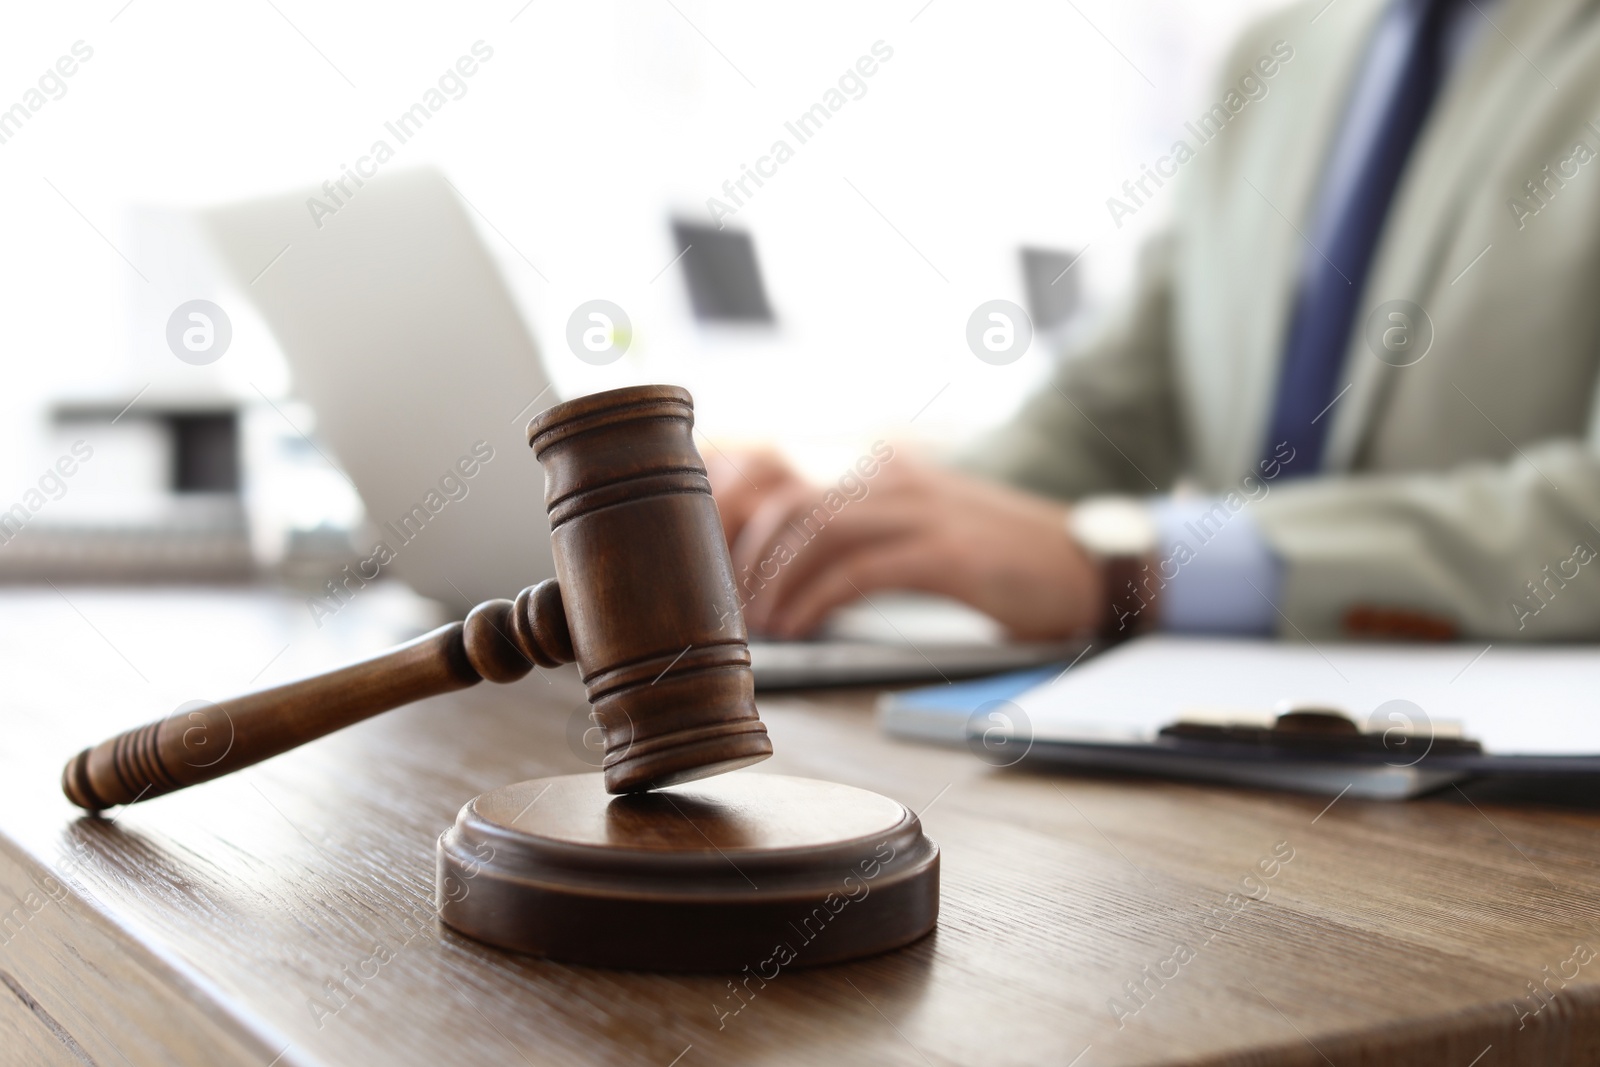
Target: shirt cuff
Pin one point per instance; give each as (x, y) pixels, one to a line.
(1219, 574)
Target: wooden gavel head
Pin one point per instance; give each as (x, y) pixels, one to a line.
(643, 599)
(647, 586)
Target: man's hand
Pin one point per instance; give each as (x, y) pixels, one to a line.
(914, 526)
(742, 479)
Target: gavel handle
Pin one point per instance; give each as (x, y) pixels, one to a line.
(501, 640)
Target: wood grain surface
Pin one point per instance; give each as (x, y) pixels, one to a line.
(284, 915)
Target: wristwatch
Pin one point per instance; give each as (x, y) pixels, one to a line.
(1119, 534)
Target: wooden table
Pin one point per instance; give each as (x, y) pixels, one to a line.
(284, 915)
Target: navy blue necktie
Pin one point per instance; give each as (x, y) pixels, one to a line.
(1401, 76)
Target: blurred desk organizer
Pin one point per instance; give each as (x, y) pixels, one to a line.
(1381, 721)
(139, 493)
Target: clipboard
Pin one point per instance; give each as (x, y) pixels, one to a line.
(1372, 720)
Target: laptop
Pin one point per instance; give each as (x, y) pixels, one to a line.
(403, 338)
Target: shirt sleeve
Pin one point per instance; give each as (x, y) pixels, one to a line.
(1221, 576)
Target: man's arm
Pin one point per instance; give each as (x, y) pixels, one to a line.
(1502, 551)
(1106, 422)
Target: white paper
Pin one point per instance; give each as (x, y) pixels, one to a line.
(1516, 700)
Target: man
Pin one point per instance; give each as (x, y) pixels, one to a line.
(1367, 348)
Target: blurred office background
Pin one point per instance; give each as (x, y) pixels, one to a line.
(983, 150)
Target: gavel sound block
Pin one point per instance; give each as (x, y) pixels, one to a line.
(718, 874)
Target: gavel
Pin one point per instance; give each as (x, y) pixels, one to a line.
(643, 600)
